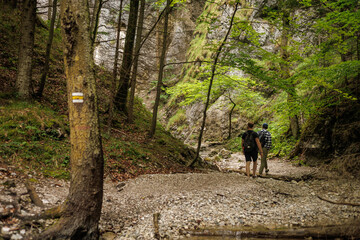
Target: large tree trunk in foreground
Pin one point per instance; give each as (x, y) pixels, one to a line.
(26, 48)
(82, 208)
(122, 93)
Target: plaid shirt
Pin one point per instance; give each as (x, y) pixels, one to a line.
(267, 138)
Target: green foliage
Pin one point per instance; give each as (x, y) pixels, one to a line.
(178, 119)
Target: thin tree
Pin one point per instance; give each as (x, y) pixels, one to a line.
(48, 51)
(122, 92)
(26, 49)
(115, 70)
(82, 208)
(161, 69)
(230, 115)
(95, 20)
(136, 61)
(213, 70)
(50, 3)
(285, 69)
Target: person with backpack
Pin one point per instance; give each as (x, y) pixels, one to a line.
(251, 145)
(265, 140)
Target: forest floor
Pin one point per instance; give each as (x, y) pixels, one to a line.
(206, 203)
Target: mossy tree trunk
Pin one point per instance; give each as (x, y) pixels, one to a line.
(122, 92)
(82, 208)
(26, 49)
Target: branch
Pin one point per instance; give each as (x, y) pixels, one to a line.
(339, 203)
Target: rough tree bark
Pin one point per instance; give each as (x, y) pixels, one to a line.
(82, 208)
(213, 69)
(48, 51)
(161, 70)
(136, 61)
(122, 93)
(26, 48)
(115, 71)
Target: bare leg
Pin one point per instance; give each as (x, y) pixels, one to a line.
(248, 169)
(254, 168)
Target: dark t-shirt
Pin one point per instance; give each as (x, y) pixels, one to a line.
(255, 135)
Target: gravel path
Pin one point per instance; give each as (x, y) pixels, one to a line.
(213, 199)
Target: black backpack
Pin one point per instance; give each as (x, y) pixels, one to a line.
(249, 142)
(262, 136)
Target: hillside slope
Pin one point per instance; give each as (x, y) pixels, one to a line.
(34, 135)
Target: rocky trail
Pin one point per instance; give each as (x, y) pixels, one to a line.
(200, 205)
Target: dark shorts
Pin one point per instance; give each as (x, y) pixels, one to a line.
(251, 156)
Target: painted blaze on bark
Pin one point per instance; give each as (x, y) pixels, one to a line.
(82, 208)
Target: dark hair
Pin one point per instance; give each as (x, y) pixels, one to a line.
(265, 125)
(250, 125)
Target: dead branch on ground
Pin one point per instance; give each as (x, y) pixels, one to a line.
(339, 203)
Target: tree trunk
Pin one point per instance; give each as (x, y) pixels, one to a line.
(230, 116)
(49, 9)
(291, 95)
(122, 93)
(115, 71)
(26, 48)
(95, 21)
(213, 69)
(161, 70)
(48, 51)
(136, 60)
(82, 208)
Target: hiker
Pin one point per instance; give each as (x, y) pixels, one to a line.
(265, 140)
(250, 144)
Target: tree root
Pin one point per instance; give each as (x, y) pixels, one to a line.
(51, 213)
(33, 195)
(339, 203)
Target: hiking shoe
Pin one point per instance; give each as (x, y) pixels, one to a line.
(266, 171)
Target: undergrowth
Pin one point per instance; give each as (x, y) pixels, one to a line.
(34, 136)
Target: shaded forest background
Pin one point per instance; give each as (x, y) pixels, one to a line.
(310, 78)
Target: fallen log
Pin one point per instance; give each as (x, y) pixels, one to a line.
(276, 177)
(324, 232)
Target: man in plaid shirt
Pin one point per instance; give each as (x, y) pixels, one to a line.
(265, 140)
